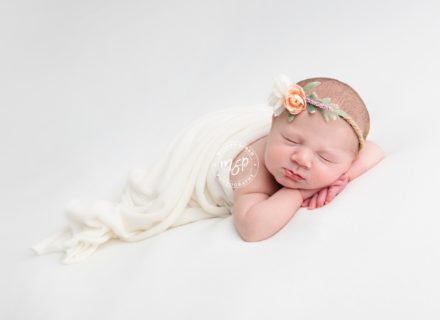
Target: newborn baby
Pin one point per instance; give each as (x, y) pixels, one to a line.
(315, 146)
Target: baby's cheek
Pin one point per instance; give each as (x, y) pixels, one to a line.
(272, 154)
(323, 177)
(278, 154)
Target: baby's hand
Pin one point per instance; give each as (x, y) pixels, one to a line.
(327, 194)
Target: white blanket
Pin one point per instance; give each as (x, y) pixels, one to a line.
(187, 185)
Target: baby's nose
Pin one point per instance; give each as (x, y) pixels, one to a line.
(302, 157)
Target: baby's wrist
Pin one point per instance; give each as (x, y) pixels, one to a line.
(290, 192)
(305, 193)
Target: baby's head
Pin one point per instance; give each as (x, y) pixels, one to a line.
(316, 149)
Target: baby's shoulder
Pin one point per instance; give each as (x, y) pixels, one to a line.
(243, 179)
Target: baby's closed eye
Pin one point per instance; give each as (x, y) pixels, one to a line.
(328, 158)
(290, 140)
(325, 158)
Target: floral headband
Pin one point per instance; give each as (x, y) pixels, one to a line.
(292, 97)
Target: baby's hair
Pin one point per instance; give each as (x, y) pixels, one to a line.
(345, 97)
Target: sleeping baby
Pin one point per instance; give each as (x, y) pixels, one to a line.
(304, 148)
(315, 146)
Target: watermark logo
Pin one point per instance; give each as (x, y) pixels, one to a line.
(237, 164)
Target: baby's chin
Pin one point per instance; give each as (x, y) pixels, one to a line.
(287, 183)
(306, 185)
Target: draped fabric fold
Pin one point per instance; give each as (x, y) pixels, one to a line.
(188, 184)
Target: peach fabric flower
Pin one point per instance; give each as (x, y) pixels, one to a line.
(295, 99)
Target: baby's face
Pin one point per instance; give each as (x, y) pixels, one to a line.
(316, 150)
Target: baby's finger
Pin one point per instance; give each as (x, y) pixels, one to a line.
(321, 197)
(332, 193)
(342, 179)
(312, 204)
(305, 203)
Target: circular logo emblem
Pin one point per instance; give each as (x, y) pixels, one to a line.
(237, 164)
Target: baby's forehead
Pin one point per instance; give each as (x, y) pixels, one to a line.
(314, 121)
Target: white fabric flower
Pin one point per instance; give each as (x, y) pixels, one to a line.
(279, 91)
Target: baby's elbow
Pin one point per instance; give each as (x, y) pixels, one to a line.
(375, 151)
(251, 235)
(380, 153)
(250, 238)
(245, 231)
(250, 228)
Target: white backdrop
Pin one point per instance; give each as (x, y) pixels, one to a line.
(89, 89)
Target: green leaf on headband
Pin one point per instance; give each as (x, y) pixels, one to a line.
(324, 114)
(311, 108)
(290, 117)
(335, 107)
(342, 113)
(334, 115)
(325, 100)
(311, 85)
(313, 96)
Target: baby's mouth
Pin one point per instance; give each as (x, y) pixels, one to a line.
(292, 175)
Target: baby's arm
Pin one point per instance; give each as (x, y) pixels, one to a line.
(371, 155)
(258, 216)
